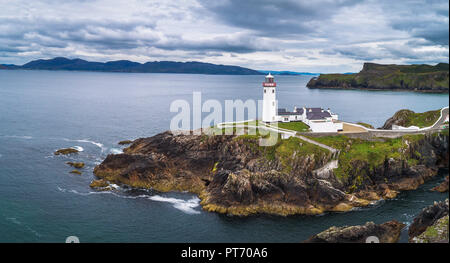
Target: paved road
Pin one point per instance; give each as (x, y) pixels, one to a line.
(441, 121)
(331, 149)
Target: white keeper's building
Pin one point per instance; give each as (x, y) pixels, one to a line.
(318, 119)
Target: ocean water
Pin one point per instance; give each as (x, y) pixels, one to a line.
(41, 111)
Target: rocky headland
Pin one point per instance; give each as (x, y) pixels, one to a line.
(431, 225)
(232, 174)
(388, 232)
(422, 78)
(407, 118)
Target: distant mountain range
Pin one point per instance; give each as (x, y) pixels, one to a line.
(287, 72)
(61, 63)
(77, 64)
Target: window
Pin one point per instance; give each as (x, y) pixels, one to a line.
(265, 90)
(273, 91)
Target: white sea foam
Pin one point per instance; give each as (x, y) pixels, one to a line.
(186, 206)
(18, 137)
(100, 145)
(78, 148)
(116, 151)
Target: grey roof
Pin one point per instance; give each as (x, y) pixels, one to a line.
(311, 113)
(283, 111)
(317, 115)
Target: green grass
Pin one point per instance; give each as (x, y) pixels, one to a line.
(285, 150)
(424, 119)
(357, 155)
(340, 77)
(294, 126)
(365, 125)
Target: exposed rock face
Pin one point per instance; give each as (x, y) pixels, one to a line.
(428, 217)
(408, 118)
(78, 165)
(424, 78)
(420, 161)
(436, 233)
(65, 151)
(400, 118)
(388, 232)
(443, 187)
(125, 142)
(234, 175)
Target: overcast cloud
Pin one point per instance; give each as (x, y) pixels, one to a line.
(314, 36)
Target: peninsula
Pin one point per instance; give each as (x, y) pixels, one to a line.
(422, 78)
(307, 173)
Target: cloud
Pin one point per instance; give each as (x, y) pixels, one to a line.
(319, 36)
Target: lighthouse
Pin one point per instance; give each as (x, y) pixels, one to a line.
(269, 111)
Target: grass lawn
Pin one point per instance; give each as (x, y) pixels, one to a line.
(294, 126)
(424, 119)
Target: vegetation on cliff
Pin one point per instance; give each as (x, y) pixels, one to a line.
(431, 225)
(294, 126)
(382, 163)
(234, 174)
(423, 78)
(436, 233)
(407, 118)
(125, 142)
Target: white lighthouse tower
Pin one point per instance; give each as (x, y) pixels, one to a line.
(269, 111)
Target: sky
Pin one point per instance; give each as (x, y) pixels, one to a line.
(320, 36)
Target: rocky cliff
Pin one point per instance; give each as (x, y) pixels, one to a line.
(424, 78)
(234, 175)
(431, 225)
(388, 232)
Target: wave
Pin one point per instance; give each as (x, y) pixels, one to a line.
(186, 206)
(100, 145)
(17, 137)
(116, 151)
(78, 148)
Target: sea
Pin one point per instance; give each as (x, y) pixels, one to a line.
(42, 111)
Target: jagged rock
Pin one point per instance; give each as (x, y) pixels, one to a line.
(436, 233)
(99, 184)
(443, 187)
(388, 232)
(400, 118)
(65, 151)
(428, 217)
(75, 172)
(234, 175)
(78, 165)
(125, 142)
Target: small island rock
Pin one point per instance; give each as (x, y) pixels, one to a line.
(66, 151)
(78, 165)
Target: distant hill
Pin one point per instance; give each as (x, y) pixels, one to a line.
(287, 72)
(424, 78)
(61, 63)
